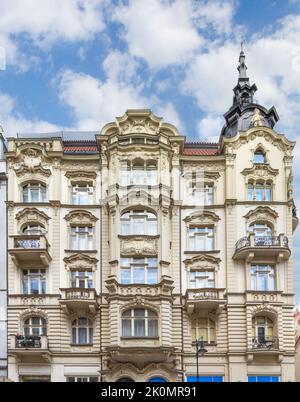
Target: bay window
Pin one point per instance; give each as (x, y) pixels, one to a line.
(138, 223)
(139, 271)
(139, 323)
(262, 277)
(138, 172)
(82, 331)
(34, 281)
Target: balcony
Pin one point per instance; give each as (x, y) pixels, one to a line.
(265, 343)
(29, 250)
(205, 299)
(262, 247)
(79, 299)
(31, 345)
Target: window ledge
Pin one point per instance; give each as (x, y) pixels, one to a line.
(127, 338)
(202, 252)
(81, 344)
(80, 251)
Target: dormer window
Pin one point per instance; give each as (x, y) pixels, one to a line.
(259, 157)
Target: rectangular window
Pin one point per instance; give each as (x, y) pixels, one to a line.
(34, 281)
(82, 194)
(262, 277)
(201, 238)
(81, 238)
(205, 379)
(201, 192)
(139, 271)
(82, 279)
(263, 379)
(201, 279)
(82, 379)
(259, 192)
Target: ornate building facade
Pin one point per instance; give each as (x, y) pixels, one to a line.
(3, 262)
(127, 246)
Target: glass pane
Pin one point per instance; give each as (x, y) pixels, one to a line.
(152, 328)
(268, 194)
(139, 327)
(82, 335)
(126, 276)
(152, 276)
(250, 193)
(139, 275)
(126, 327)
(152, 227)
(259, 194)
(125, 227)
(138, 226)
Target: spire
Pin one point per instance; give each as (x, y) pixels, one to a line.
(242, 68)
(243, 92)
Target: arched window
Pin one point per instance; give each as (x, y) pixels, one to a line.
(157, 379)
(34, 192)
(34, 229)
(259, 157)
(261, 229)
(82, 331)
(260, 191)
(139, 323)
(35, 326)
(262, 327)
(138, 172)
(205, 328)
(139, 222)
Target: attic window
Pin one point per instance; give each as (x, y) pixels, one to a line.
(259, 157)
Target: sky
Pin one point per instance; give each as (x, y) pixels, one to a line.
(77, 64)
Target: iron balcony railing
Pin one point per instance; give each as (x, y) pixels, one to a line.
(262, 241)
(28, 341)
(265, 343)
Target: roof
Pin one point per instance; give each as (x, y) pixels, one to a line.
(64, 135)
(80, 147)
(201, 148)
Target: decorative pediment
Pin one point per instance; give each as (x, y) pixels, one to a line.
(202, 217)
(202, 262)
(23, 169)
(80, 261)
(262, 214)
(139, 245)
(80, 217)
(260, 171)
(139, 122)
(80, 175)
(32, 215)
(137, 198)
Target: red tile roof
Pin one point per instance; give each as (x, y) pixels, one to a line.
(201, 148)
(80, 147)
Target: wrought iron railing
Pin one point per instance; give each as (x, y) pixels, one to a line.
(28, 341)
(27, 243)
(262, 241)
(243, 242)
(266, 241)
(265, 343)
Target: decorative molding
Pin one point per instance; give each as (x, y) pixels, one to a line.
(80, 261)
(262, 214)
(81, 175)
(80, 217)
(200, 262)
(22, 170)
(202, 217)
(260, 171)
(32, 215)
(139, 245)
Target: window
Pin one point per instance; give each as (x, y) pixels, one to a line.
(201, 238)
(34, 192)
(260, 230)
(138, 172)
(205, 379)
(81, 237)
(139, 271)
(34, 229)
(35, 326)
(82, 279)
(201, 192)
(262, 277)
(262, 328)
(204, 328)
(82, 194)
(138, 223)
(263, 379)
(139, 323)
(260, 191)
(82, 331)
(259, 157)
(34, 281)
(202, 279)
(83, 379)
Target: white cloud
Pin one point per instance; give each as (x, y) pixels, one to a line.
(210, 127)
(48, 21)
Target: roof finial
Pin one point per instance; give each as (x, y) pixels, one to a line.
(242, 68)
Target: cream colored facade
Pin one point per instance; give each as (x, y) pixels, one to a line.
(229, 306)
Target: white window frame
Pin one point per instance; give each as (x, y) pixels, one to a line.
(145, 318)
(75, 236)
(270, 272)
(41, 326)
(76, 194)
(88, 327)
(202, 193)
(208, 327)
(128, 176)
(205, 274)
(134, 264)
(42, 192)
(40, 274)
(82, 377)
(84, 275)
(209, 233)
(266, 188)
(138, 215)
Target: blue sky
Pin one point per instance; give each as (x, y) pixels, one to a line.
(76, 64)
